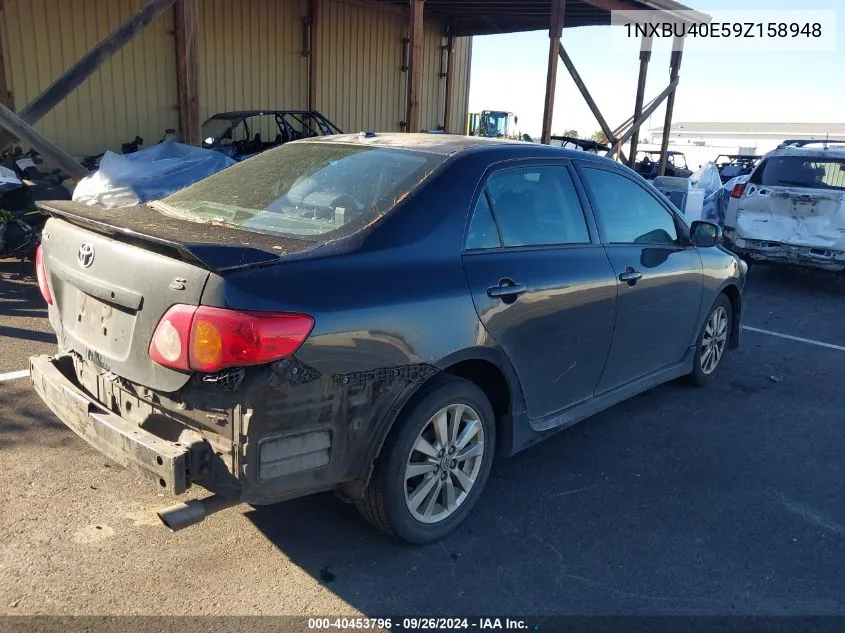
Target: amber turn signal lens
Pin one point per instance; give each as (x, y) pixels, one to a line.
(206, 344)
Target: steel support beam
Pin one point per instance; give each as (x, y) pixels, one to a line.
(25, 132)
(450, 82)
(311, 25)
(647, 112)
(674, 70)
(555, 32)
(186, 20)
(645, 58)
(91, 61)
(582, 88)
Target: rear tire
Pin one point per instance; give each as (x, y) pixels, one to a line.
(712, 342)
(434, 462)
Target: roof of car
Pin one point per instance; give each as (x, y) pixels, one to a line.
(448, 144)
(837, 152)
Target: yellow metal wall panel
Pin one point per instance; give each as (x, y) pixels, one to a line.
(360, 83)
(132, 93)
(251, 56)
(433, 86)
(461, 60)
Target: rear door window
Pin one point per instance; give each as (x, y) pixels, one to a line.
(482, 227)
(536, 206)
(801, 171)
(627, 212)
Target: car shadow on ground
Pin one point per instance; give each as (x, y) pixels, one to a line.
(21, 425)
(796, 279)
(680, 500)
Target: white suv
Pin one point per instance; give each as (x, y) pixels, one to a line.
(792, 207)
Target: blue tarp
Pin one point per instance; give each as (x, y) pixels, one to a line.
(150, 174)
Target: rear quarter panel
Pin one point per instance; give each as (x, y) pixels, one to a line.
(387, 317)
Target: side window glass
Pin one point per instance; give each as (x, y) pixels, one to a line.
(537, 206)
(482, 227)
(628, 213)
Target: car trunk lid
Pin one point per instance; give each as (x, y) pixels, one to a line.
(792, 215)
(113, 273)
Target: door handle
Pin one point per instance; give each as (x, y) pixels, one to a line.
(630, 276)
(506, 290)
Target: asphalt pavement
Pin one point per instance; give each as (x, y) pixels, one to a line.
(722, 500)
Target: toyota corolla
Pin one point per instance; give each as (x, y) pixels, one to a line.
(379, 315)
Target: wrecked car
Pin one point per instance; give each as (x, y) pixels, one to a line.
(378, 315)
(245, 133)
(791, 209)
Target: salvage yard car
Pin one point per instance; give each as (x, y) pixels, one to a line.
(792, 207)
(648, 164)
(245, 133)
(378, 314)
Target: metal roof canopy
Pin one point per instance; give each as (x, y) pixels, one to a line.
(489, 17)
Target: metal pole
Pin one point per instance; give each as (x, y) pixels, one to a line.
(555, 31)
(645, 58)
(674, 68)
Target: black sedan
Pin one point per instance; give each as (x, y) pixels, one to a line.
(376, 314)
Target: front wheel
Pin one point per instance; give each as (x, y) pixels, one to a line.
(712, 342)
(434, 463)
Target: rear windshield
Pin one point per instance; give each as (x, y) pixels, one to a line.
(316, 191)
(801, 171)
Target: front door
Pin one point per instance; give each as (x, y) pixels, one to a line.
(541, 283)
(658, 277)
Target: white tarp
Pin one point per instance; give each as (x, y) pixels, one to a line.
(150, 174)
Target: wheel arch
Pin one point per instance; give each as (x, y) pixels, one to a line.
(488, 368)
(732, 292)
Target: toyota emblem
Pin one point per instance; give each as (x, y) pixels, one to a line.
(86, 254)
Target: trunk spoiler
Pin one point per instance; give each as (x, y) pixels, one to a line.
(213, 247)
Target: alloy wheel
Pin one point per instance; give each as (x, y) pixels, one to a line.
(444, 463)
(714, 340)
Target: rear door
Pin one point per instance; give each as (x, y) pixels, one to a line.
(658, 276)
(797, 200)
(541, 282)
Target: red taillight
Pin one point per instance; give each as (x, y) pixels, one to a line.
(41, 275)
(738, 189)
(209, 339)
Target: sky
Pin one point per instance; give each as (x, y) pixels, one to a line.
(509, 73)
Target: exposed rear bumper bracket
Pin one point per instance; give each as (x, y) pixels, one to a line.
(168, 463)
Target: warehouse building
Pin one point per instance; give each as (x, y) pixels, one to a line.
(78, 76)
(348, 59)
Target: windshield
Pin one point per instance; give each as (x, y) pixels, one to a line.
(213, 128)
(306, 190)
(814, 172)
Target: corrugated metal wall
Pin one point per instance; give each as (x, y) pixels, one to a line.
(132, 93)
(360, 85)
(363, 87)
(462, 59)
(250, 57)
(433, 86)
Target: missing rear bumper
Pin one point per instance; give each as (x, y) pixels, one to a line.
(778, 252)
(170, 464)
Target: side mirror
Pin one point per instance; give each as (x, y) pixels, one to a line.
(705, 234)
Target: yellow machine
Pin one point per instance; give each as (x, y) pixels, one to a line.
(492, 124)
